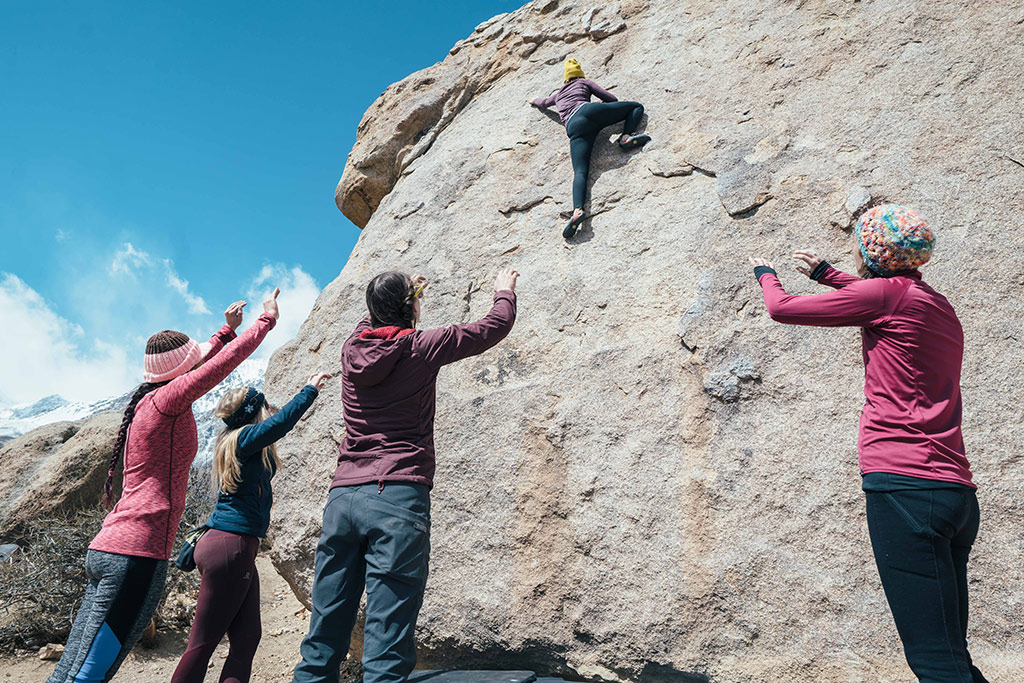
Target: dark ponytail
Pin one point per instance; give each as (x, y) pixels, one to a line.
(122, 438)
(389, 299)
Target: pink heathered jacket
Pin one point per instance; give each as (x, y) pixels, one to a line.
(161, 445)
(913, 349)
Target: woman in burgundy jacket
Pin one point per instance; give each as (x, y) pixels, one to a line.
(376, 526)
(922, 510)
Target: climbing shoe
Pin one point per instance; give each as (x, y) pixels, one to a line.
(635, 141)
(573, 226)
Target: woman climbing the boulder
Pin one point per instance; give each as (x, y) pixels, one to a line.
(583, 120)
(922, 511)
(244, 462)
(127, 560)
(376, 525)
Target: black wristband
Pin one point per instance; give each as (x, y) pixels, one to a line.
(761, 270)
(819, 270)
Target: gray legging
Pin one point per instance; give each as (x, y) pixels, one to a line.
(583, 127)
(122, 595)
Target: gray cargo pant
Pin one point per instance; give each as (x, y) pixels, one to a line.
(377, 538)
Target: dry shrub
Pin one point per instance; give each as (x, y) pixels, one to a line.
(41, 586)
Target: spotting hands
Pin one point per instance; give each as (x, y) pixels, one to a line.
(270, 304)
(233, 316)
(506, 280)
(319, 379)
(810, 259)
(419, 282)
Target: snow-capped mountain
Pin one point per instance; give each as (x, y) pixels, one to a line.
(19, 419)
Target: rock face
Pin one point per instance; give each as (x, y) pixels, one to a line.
(55, 469)
(649, 480)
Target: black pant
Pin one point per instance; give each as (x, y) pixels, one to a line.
(583, 127)
(921, 539)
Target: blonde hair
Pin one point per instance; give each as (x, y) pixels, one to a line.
(227, 470)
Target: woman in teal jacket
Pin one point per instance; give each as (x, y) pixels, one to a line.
(244, 462)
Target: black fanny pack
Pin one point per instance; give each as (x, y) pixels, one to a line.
(186, 561)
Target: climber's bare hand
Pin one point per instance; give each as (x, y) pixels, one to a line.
(810, 258)
(757, 261)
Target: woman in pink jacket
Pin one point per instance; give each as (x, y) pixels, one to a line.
(127, 561)
(922, 510)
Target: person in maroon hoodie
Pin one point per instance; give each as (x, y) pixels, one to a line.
(922, 510)
(376, 525)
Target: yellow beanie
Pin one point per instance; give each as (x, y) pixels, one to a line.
(572, 70)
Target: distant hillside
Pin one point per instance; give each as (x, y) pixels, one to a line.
(22, 419)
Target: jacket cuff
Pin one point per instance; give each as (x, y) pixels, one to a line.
(225, 334)
(505, 294)
(820, 270)
(761, 270)
(269, 318)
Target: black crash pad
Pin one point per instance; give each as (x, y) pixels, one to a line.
(472, 677)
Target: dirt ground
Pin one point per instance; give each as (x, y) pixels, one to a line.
(284, 624)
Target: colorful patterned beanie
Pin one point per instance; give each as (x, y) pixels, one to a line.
(170, 354)
(894, 239)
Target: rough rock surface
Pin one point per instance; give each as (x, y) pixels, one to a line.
(649, 480)
(55, 469)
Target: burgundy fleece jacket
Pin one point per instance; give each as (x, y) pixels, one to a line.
(388, 390)
(913, 347)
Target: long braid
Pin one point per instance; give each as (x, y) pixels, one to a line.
(122, 438)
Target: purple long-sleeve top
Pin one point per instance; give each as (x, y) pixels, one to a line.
(388, 381)
(573, 95)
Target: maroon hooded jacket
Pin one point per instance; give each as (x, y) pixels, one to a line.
(388, 380)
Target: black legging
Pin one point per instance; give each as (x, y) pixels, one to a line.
(921, 540)
(583, 127)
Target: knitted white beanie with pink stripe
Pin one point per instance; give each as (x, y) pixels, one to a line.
(170, 354)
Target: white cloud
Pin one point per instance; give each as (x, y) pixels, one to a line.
(195, 303)
(47, 354)
(298, 294)
(130, 261)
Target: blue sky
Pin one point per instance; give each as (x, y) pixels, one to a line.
(161, 160)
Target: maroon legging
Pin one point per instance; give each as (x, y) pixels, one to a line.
(229, 602)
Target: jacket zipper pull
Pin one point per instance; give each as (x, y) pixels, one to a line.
(380, 487)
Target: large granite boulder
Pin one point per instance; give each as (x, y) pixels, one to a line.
(55, 469)
(649, 480)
